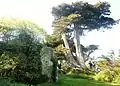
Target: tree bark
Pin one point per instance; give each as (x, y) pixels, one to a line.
(80, 57)
(70, 58)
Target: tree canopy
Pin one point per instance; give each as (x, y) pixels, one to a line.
(89, 17)
(73, 19)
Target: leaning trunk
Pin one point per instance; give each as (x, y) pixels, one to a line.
(80, 57)
(70, 58)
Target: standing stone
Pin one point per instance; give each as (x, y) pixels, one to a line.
(46, 63)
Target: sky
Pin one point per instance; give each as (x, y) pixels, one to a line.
(39, 11)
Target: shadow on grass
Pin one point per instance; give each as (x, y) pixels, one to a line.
(82, 76)
(69, 80)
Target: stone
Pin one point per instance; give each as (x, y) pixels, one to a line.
(47, 64)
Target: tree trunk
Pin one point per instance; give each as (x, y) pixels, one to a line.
(70, 58)
(80, 57)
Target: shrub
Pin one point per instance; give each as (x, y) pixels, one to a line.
(105, 75)
(116, 75)
(21, 59)
(23, 67)
(109, 73)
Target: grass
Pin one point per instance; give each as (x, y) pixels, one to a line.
(77, 81)
(65, 81)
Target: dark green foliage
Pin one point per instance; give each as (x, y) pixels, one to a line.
(22, 59)
(91, 16)
(20, 53)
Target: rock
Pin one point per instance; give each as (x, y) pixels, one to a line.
(47, 63)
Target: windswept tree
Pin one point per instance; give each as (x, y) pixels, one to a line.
(90, 49)
(73, 19)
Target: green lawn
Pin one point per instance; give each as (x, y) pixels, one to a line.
(66, 81)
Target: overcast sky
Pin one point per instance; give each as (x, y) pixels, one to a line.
(39, 11)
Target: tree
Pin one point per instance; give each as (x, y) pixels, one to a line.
(79, 17)
(87, 51)
(91, 49)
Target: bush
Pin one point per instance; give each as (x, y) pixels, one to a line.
(105, 75)
(116, 75)
(23, 66)
(108, 73)
(21, 59)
